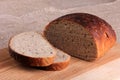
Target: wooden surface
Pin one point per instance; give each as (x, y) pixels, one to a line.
(33, 15)
(77, 70)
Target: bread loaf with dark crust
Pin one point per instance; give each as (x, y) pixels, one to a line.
(81, 35)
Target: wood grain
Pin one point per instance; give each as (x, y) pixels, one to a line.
(12, 70)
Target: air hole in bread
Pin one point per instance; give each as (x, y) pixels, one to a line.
(85, 35)
(106, 35)
(51, 53)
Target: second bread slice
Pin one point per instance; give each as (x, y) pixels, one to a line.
(31, 49)
(61, 61)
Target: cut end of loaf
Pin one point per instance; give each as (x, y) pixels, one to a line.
(30, 48)
(72, 38)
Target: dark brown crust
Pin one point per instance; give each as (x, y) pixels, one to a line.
(30, 61)
(59, 65)
(103, 34)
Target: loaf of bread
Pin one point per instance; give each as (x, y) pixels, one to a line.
(29, 48)
(81, 35)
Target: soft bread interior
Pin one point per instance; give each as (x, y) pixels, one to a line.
(31, 44)
(72, 38)
(61, 56)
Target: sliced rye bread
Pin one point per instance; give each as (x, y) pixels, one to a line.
(81, 35)
(61, 61)
(31, 49)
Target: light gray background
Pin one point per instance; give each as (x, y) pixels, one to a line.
(25, 15)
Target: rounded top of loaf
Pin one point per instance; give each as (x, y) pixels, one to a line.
(95, 25)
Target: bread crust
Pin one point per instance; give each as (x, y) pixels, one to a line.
(31, 61)
(102, 33)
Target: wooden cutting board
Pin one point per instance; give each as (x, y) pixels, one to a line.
(77, 70)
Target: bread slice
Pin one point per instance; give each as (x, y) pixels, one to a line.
(61, 61)
(30, 48)
(81, 35)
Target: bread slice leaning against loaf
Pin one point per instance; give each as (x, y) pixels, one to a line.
(61, 61)
(31, 49)
(81, 35)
